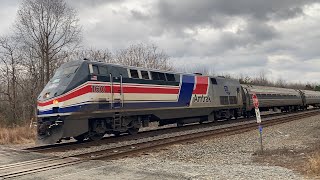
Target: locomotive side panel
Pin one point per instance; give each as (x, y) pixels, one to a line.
(227, 93)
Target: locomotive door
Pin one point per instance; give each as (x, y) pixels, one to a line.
(116, 91)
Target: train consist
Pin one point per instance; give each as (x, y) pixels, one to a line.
(86, 99)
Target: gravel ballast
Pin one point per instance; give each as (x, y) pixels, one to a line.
(236, 156)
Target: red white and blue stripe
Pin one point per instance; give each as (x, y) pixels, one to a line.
(136, 96)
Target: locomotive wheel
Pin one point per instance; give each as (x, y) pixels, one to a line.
(133, 131)
(117, 133)
(96, 137)
(179, 124)
(228, 115)
(235, 116)
(79, 138)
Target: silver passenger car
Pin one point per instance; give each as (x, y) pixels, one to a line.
(273, 97)
(312, 98)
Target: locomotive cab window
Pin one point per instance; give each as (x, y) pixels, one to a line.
(145, 75)
(134, 73)
(95, 69)
(103, 70)
(170, 77)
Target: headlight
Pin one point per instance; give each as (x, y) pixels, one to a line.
(46, 95)
(55, 101)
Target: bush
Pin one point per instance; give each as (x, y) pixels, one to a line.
(314, 163)
(17, 135)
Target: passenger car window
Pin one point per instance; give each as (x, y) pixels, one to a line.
(134, 73)
(170, 77)
(145, 75)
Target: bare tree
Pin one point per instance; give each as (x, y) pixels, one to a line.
(140, 55)
(92, 54)
(201, 69)
(309, 87)
(245, 79)
(281, 83)
(261, 80)
(47, 28)
(10, 58)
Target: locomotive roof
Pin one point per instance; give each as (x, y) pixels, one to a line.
(311, 93)
(146, 69)
(271, 90)
(279, 89)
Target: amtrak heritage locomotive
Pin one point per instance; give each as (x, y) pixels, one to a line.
(86, 99)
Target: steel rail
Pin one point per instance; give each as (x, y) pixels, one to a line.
(35, 166)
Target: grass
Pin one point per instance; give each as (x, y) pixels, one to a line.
(17, 135)
(314, 164)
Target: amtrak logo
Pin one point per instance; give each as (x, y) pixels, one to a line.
(226, 89)
(201, 99)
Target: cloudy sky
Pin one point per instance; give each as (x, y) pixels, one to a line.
(279, 37)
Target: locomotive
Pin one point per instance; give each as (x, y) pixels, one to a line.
(86, 99)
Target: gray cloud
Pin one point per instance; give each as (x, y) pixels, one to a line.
(7, 14)
(91, 3)
(233, 36)
(205, 12)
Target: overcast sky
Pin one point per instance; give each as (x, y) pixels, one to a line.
(279, 37)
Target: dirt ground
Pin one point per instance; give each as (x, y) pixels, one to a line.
(293, 158)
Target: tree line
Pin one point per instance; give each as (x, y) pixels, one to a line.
(46, 34)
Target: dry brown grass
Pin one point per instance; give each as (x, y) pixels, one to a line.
(17, 135)
(314, 164)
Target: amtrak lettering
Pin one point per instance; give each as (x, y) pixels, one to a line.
(201, 99)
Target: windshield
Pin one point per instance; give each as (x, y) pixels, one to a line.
(65, 71)
(61, 80)
(62, 72)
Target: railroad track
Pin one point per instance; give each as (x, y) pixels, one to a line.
(142, 147)
(34, 166)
